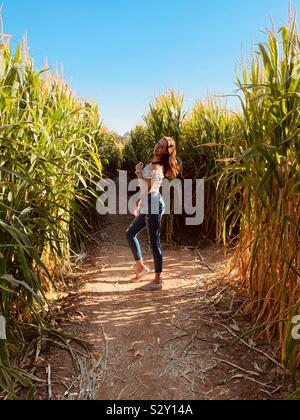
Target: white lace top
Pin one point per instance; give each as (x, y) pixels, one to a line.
(155, 173)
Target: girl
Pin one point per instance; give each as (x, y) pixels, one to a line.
(151, 209)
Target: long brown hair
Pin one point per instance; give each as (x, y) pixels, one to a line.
(169, 161)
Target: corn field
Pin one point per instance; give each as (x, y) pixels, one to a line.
(52, 147)
(53, 150)
(250, 161)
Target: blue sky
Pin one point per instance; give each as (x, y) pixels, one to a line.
(122, 53)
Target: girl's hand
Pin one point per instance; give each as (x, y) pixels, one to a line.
(139, 167)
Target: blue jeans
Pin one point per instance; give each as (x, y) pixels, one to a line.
(150, 217)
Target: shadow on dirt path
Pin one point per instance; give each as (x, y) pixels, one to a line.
(168, 345)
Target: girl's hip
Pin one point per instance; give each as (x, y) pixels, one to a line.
(153, 203)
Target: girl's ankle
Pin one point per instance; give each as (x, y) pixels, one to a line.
(140, 268)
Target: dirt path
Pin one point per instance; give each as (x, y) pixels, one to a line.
(172, 344)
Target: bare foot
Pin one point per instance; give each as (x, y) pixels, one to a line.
(140, 275)
(158, 278)
(140, 267)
